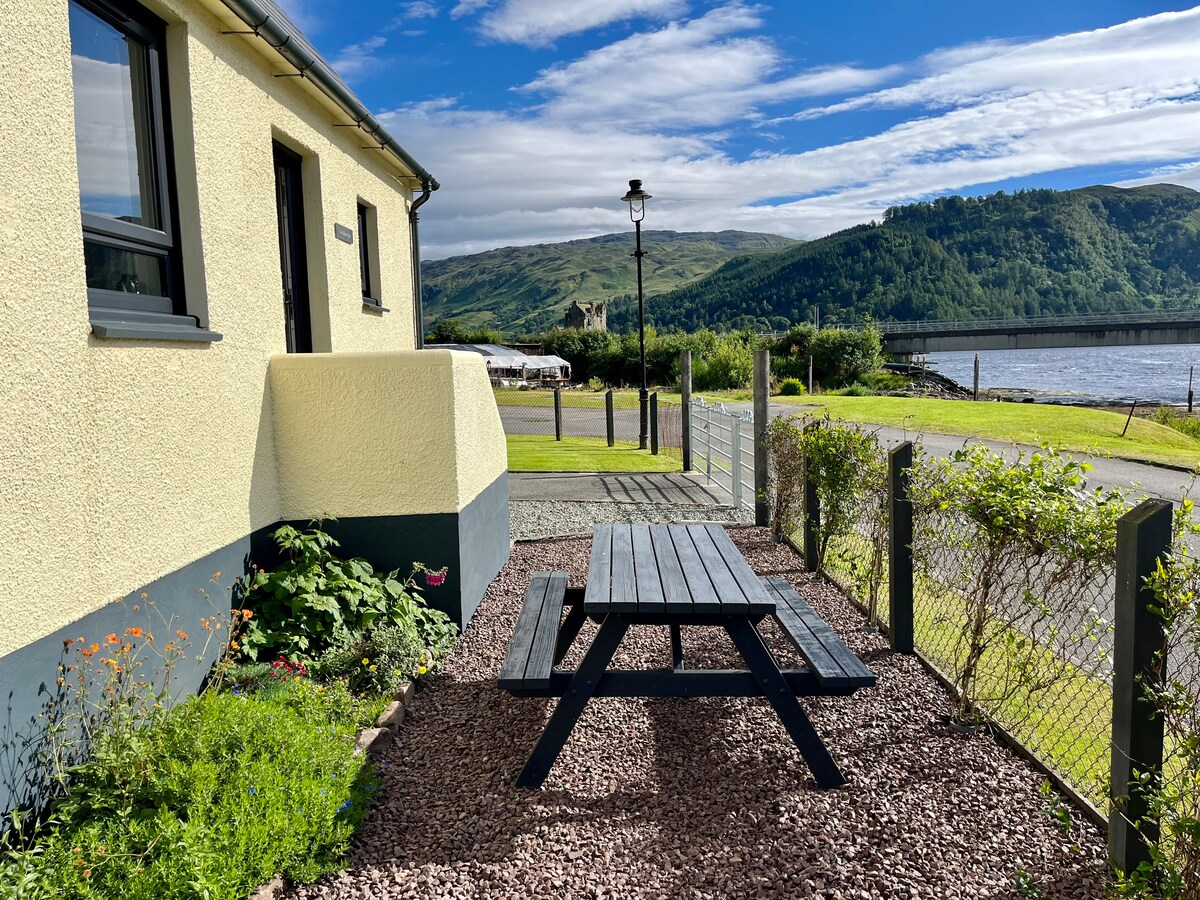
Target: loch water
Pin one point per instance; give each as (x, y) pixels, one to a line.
(1085, 375)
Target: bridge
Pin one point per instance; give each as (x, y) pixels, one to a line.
(1176, 326)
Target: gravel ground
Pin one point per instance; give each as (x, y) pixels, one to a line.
(530, 519)
(702, 797)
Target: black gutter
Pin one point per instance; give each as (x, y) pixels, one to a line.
(418, 299)
(286, 39)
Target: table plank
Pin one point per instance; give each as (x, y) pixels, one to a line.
(733, 599)
(704, 595)
(756, 594)
(599, 581)
(676, 595)
(624, 583)
(645, 570)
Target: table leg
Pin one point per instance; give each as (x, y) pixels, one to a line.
(676, 649)
(766, 672)
(571, 705)
(569, 631)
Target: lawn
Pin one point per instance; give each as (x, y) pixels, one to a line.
(541, 453)
(1070, 428)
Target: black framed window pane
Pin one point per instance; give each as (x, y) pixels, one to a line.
(364, 260)
(114, 137)
(114, 269)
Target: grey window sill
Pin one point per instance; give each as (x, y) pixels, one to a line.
(374, 305)
(147, 326)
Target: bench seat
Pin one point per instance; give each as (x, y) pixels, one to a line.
(832, 663)
(531, 652)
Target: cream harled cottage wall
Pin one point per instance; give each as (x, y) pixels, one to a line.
(128, 465)
(124, 461)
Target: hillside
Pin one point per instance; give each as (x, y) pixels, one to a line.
(1038, 252)
(521, 289)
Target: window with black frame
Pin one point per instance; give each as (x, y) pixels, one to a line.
(121, 141)
(366, 246)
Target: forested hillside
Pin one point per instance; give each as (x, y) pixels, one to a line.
(526, 289)
(1037, 252)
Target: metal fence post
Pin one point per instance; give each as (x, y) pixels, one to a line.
(654, 424)
(609, 423)
(900, 551)
(685, 401)
(1143, 539)
(735, 462)
(558, 414)
(762, 394)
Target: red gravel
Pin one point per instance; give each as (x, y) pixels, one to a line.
(702, 797)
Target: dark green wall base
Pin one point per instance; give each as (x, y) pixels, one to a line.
(473, 544)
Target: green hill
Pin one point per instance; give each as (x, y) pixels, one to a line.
(1036, 252)
(525, 289)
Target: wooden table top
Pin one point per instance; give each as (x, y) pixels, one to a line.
(679, 569)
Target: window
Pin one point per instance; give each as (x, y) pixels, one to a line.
(366, 249)
(125, 186)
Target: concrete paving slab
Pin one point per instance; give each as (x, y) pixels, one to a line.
(648, 487)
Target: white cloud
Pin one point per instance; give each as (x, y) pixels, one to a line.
(356, 60)
(419, 9)
(301, 14)
(539, 22)
(1124, 96)
(468, 7)
(686, 75)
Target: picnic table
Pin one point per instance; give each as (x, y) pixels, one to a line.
(673, 575)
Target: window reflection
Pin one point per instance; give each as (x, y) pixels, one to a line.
(113, 138)
(112, 269)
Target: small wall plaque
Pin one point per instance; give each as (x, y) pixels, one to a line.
(342, 233)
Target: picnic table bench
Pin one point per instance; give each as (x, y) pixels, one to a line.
(673, 575)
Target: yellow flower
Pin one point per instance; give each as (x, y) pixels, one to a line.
(366, 662)
(371, 668)
(421, 670)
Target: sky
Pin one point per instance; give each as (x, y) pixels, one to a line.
(790, 117)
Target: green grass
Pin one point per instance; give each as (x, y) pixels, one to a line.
(1067, 427)
(541, 453)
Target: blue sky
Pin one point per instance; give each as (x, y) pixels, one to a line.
(797, 118)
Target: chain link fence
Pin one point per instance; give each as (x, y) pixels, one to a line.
(583, 414)
(1021, 631)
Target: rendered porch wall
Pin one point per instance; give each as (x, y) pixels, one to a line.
(407, 451)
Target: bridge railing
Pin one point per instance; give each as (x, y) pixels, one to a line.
(1138, 317)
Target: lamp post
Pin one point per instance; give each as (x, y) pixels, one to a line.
(636, 198)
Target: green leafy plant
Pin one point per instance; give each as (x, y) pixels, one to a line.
(1013, 544)
(315, 600)
(791, 387)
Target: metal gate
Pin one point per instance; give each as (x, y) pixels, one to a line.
(723, 449)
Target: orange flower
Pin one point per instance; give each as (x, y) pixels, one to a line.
(247, 614)
(136, 632)
(144, 595)
(112, 638)
(95, 648)
(182, 634)
(68, 642)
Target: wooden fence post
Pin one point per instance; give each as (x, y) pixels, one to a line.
(609, 423)
(762, 410)
(685, 390)
(654, 424)
(1143, 539)
(558, 414)
(900, 551)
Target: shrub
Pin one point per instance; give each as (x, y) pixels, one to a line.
(315, 600)
(227, 791)
(379, 662)
(1013, 543)
(791, 387)
(595, 384)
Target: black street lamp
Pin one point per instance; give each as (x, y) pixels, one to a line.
(636, 198)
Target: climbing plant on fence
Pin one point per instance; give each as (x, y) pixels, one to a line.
(1017, 556)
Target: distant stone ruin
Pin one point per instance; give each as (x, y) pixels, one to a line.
(588, 316)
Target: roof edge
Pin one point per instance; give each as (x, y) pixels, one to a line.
(279, 34)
